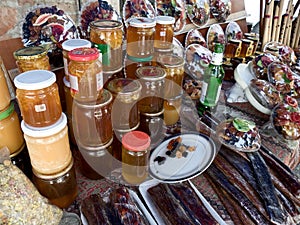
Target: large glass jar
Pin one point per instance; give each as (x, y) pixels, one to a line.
(11, 134)
(85, 74)
(140, 37)
(131, 64)
(4, 91)
(48, 147)
(38, 97)
(135, 156)
(125, 113)
(174, 67)
(92, 121)
(164, 32)
(107, 36)
(32, 58)
(60, 188)
(153, 82)
(90, 158)
(68, 46)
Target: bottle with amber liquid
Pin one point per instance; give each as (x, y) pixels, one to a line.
(212, 81)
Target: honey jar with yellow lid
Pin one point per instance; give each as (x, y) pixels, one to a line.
(11, 134)
(38, 97)
(32, 58)
(85, 74)
(107, 36)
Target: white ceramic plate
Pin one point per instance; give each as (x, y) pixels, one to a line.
(139, 204)
(180, 169)
(143, 188)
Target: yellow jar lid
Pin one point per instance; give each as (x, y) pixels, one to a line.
(33, 52)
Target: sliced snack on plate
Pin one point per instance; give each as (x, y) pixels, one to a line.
(239, 134)
(259, 65)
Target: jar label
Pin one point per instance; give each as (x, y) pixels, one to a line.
(105, 52)
(73, 83)
(40, 108)
(99, 78)
(162, 33)
(66, 66)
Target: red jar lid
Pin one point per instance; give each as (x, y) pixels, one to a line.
(136, 141)
(84, 54)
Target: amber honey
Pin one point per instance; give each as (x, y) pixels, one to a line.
(164, 32)
(233, 48)
(140, 37)
(247, 48)
(85, 74)
(4, 90)
(38, 97)
(153, 83)
(92, 121)
(32, 58)
(135, 156)
(60, 188)
(107, 36)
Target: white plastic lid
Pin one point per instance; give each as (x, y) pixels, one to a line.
(66, 82)
(47, 131)
(71, 44)
(34, 79)
(255, 103)
(143, 22)
(165, 20)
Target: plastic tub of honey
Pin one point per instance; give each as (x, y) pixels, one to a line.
(38, 97)
(48, 147)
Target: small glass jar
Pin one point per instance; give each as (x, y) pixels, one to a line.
(68, 97)
(174, 67)
(22, 161)
(135, 157)
(153, 83)
(92, 121)
(164, 32)
(90, 158)
(125, 113)
(11, 134)
(68, 46)
(48, 147)
(38, 97)
(60, 188)
(32, 58)
(255, 40)
(85, 74)
(107, 36)
(140, 37)
(4, 90)
(247, 48)
(172, 107)
(233, 48)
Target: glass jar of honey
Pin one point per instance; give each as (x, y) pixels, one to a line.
(92, 121)
(140, 37)
(32, 58)
(131, 64)
(174, 67)
(68, 97)
(48, 147)
(60, 188)
(68, 46)
(164, 32)
(90, 158)
(38, 97)
(107, 36)
(11, 134)
(125, 113)
(85, 74)
(153, 83)
(4, 90)
(247, 48)
(135, 157)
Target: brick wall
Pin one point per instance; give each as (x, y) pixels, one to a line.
(12, 13)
